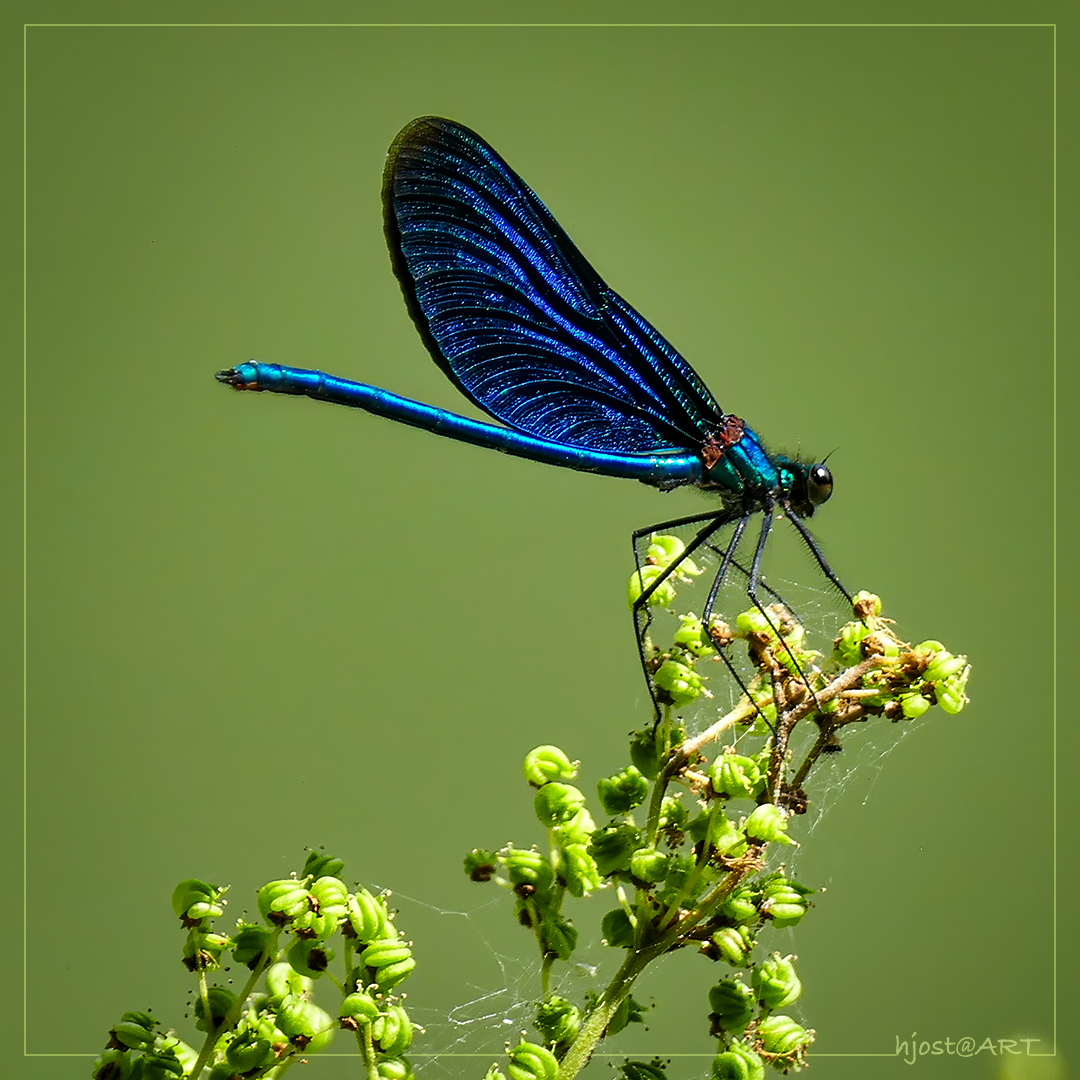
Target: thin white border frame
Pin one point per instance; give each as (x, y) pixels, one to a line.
(1052, 26)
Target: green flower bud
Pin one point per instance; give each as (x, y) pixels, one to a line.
(160, 1064)
(392, 1030)
(281, 901)
(643, 754)
(617, 929)
(557, 936)
(249, 1051)
(691, 636)
(546, 763)
(680, 868)
(316, 866)
(673, 815)
(950, 692)
(480, 865)
(395, 1068)
(769, 823)
(734, 943)
(642, 580)
(186, 1055)
(665, 548)
(367, 917)
(738, 1062)
(111, 1064)
(578, 830)
(331, 896)
(390, 960)
(220, 1000)
(649, 865)
(681, 683)
(263, 1024)
(528, 868)
(943, 665)
(558, 1020)
(282, 980)
(741, 905)
(736, 777)
(202, 950)
(848, 646)
(531, 1062)
(775, 982)
(929, 646)
(194, 899)
(612, 847)
(249, 943)
(135, 1030)
(385, 951)
(780, 1035)
(753, 622)
(619, 794)
(913, 705)
(314, 924)
(310, 958)
(304, 1024)
(783, 901)
(866, 604)
(391, 974)
(732, 1004)
(557, 803)
(358, 1008)
(579, 870)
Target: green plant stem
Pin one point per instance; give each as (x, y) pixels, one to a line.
(596, 1022)
(546, 965)
(592, 1029)
(238, 1006)
(691, 882)
(715, 900)
(679, 756)
(367, 1051)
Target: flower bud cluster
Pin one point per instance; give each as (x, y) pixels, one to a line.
(689, 875)
(908, 679)
(257, 1031)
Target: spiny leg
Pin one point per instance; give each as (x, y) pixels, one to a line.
(641, 610)
(676, 523)
(727, 560)
(753, 582)
(811, 543)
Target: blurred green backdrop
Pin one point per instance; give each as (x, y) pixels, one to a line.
(257, 624)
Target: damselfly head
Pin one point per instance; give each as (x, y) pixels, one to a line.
(813, 484)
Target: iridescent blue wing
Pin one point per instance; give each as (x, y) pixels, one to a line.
(515, 315)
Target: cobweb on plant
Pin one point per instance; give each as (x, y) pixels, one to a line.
(499, 980)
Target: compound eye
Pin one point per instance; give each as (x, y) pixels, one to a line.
(818, 484)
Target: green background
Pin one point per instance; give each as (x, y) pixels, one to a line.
(256, 624)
